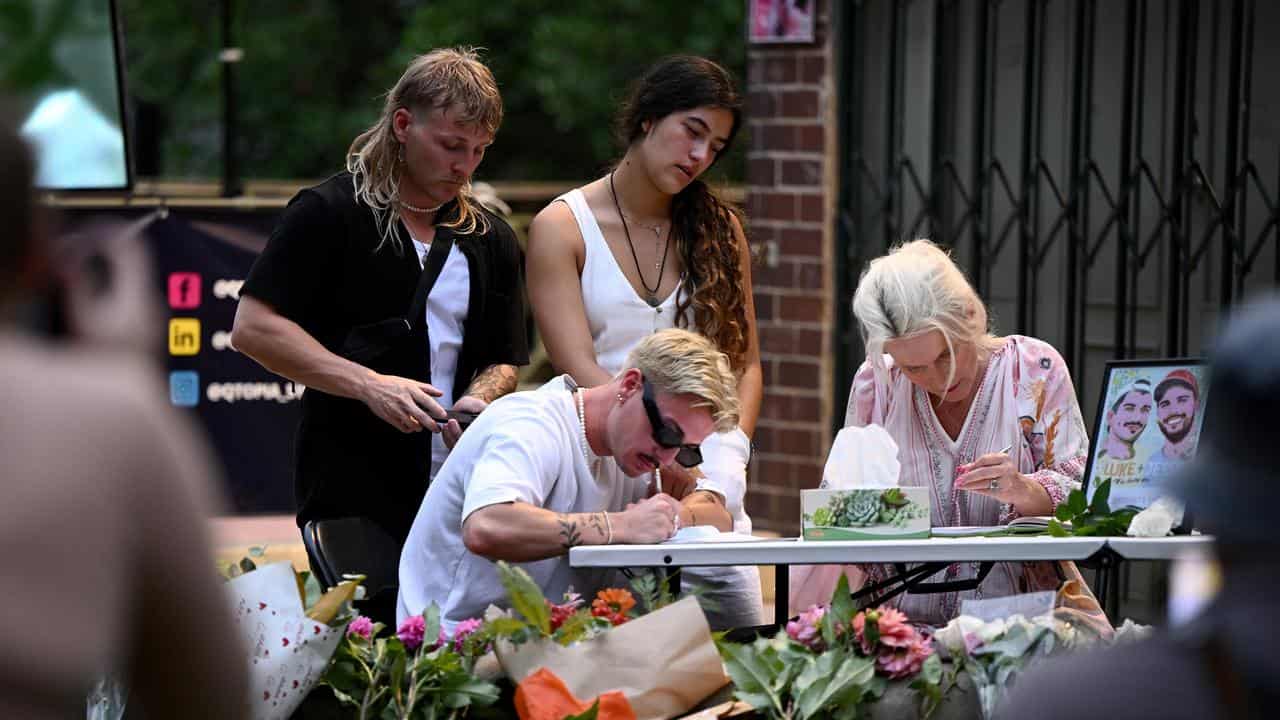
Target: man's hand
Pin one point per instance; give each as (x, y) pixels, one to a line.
(407, 405)
(452, 431)
(652, 520)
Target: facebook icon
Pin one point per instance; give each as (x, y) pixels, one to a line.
(184, 388)
(184, 290)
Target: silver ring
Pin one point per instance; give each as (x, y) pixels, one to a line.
(995, 484)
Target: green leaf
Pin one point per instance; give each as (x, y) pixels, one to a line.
(526, 597)
(754, 674)
(1101, 495)
(842, 605)
(504, 627)
(431, 623)
(1076, 501)
(832, 675)
(1063, 512)
(1056, 529)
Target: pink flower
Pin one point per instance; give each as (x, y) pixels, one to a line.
(807, 629)
(361, 626)
(464, 630)
(894, 631)
(411, 632)
(902, 662)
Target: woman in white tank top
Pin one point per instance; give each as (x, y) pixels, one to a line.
(650, 246)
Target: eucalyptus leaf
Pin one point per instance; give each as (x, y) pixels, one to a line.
(526, 597)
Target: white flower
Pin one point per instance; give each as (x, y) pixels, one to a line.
(1157, 520)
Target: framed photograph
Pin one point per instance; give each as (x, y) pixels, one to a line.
(780, 21)
(1148, 424)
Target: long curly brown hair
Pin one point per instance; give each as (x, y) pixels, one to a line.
(701, 221)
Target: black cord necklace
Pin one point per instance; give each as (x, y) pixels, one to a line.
(651, 295)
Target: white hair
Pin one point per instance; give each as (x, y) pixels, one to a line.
(913, 290)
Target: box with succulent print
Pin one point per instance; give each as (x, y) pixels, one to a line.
(865, 513)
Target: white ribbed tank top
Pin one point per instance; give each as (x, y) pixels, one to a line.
(616, 315)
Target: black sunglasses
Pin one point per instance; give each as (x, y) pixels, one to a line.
(667, 435)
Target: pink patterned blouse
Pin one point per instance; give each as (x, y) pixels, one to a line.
(1026, 400)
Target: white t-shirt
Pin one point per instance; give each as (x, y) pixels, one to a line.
(446, 310)
(522, 448)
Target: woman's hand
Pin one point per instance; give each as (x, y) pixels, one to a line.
(451, 430)
(677, 480)
(995, 475)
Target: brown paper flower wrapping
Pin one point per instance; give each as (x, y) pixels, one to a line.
(665, 663)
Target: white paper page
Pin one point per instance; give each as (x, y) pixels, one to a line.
(708, 534)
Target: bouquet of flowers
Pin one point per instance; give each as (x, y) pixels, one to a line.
(832, 660)
(994, 652)
(419, 672)
(665, 646)
(291, 628)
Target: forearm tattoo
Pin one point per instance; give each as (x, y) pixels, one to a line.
(571, 526)
(569, 532)
(493, 382)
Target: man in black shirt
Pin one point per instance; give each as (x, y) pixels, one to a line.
(391, 294)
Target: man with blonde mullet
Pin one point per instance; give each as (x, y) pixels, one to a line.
(526, 483)
(391, 295)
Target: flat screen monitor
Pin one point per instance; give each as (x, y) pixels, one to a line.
(62, 62)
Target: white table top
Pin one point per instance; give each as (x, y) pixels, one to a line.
(795, 552)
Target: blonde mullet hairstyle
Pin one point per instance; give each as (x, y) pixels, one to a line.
(440, 79)
(915, 289)
(680, 362)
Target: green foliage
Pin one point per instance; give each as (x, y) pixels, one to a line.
(589, 714)
(313, 74)
(1077, 516)
(526, 597)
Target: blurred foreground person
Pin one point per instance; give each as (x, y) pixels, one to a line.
(107, 564)
(1226, 662)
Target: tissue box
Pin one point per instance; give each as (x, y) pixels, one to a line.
(865, 514)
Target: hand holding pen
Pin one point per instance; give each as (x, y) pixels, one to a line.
(994, 474)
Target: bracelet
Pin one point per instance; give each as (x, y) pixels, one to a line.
(609, 527)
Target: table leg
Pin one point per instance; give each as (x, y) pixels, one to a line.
(781, 594)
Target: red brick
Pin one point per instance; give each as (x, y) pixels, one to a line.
(766, 374)
(807, 475)
(781, 275)
(811, 276)
(779, 68)
(787, 510)
(758, 505)
(777, 137)
(780, 340)
(758, 234)
(778, 206)
(811, 208)
(798, 442)
(798, 374)
(812, 69)
(802, 309)
(771, 473)
(798, 103)
(788, 407)
(809, 138)
(801, 172)
(762, 171)
(761, 104)
(800, 241)
(808, 342)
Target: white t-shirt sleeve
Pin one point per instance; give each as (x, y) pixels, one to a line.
(519, 462)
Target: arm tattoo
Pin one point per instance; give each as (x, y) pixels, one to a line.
(569, 532)
(596, 520)
(493, 382)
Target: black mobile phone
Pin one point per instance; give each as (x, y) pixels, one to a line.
(463, 417)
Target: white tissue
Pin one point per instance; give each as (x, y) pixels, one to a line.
(861, 457)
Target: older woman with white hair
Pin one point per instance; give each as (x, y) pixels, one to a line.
(954, 397)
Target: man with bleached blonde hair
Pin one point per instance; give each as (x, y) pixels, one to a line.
(391, 294)
(528, 481)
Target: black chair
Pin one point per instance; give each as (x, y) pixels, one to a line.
(349, 546)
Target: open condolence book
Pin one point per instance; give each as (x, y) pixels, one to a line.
(1029, 525)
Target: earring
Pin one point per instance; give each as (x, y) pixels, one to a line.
(400, 153)
(620, 400)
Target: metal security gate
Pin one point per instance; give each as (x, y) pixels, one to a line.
(1107, 172)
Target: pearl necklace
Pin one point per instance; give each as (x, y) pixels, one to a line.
(415, 208)
(587, 453)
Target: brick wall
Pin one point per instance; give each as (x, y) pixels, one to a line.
(790, 181)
